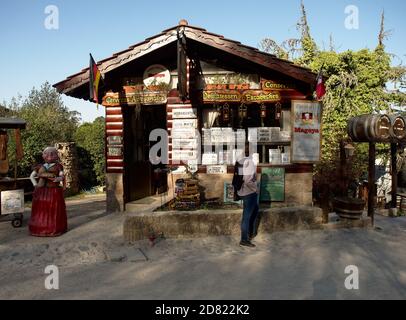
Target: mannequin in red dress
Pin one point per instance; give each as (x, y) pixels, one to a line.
(48, 214)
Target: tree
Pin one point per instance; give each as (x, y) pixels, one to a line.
(48, 121)
(356, 84)
(302, 51)
(90, 142)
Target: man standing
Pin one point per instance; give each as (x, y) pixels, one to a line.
(249, 194)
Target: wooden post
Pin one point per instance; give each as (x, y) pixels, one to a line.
(343, 171)
(371, 181)
(393, 149)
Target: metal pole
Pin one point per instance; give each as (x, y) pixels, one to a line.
(371, 181)
(393, 149)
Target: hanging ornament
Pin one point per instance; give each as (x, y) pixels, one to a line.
(263, 110)
(226, 112)
(278, 110)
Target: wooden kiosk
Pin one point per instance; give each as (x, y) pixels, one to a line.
(208, 92)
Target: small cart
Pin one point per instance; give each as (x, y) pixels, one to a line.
(11, 188)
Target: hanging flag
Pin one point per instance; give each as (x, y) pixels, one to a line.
(94, 80)
(182, 65)
(320, 87)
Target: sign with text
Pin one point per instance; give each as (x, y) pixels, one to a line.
(259, 96)
(113, 99)
(306, 131)
(272, 85)
(190, 113)
(184, 123)
(220, 169)
(184, 143)
(183, 133)
(184, 155)
(114, 152)
(114, 140)
(221, 96)
(272, 184)
(12, 201)
(229, 193)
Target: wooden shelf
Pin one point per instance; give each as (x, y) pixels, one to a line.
(274, 143)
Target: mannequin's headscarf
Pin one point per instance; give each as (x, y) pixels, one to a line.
(52, 152)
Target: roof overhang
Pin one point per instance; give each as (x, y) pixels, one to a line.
(75, 85)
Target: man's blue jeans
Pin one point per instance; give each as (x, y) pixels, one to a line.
(249, 221)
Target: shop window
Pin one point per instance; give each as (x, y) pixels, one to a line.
(226, 127)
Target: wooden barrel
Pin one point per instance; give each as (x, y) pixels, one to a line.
(369, 128)
(398, 128)
(348, 208)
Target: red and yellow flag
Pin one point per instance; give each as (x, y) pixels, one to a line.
(94, 80)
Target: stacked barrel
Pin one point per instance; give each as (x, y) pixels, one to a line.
(377, 128)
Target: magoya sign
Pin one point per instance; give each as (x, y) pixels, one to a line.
(112, 99)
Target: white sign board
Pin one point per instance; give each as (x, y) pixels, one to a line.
(306, 131)
(156, 75)
(183, 133)
(184, 155)
(184, 123)
(222, 169)
(12, 201)
(184, 143)
(209, 159)
(189, 113)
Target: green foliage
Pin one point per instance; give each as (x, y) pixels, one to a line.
(90, 142)
(356, 84)
(48, 122)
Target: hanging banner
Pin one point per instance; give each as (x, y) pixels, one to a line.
(259, 96)
(114, 99)
(221, 96)
(306, 131)
(269, 85)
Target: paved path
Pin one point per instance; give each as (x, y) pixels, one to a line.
(95, 263)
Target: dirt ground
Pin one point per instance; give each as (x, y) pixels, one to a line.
(95, 263)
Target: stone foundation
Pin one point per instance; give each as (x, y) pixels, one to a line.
(217, 222)
(298, 187)
(115, 192)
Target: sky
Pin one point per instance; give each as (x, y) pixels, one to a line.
(35, 49)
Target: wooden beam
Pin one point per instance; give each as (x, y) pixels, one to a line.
(393, 150)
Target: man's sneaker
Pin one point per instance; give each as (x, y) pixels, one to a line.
(251, 237)
(247, 244)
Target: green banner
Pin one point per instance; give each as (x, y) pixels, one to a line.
(273, 184)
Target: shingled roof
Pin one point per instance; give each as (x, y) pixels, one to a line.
(166, 37)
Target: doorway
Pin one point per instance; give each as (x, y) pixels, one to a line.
(142, 179)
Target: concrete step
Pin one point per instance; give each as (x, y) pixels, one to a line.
(147, 204)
